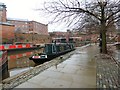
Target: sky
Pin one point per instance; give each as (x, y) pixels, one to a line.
(25, 9)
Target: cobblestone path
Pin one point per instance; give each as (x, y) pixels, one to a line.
(108, 72)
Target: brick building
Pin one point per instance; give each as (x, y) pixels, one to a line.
(7, 33)
(6, 29)
(25, 26)
(21, 26)
(2, 12)
(21, 30)
(79, 38)
(39, 28)
(30, 31)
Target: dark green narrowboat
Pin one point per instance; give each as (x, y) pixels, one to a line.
(51, 51)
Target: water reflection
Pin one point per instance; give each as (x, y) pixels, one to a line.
(15, 71)
(18, 61)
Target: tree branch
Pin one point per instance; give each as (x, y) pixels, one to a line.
(112, 15)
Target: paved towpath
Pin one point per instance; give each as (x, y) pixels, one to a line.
(78, 71)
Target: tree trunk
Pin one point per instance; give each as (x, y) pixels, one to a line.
(100, 42)
(103, 31)
(104, 43)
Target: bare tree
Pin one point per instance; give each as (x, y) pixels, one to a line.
(73, 11)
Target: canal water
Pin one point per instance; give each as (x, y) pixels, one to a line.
(18, 60)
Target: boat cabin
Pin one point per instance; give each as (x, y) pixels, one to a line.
(53, 48)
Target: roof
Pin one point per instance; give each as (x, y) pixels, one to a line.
(17, 19)
(5, 23)
(24, 20)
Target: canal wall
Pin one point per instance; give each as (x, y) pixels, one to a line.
(20, 59)
(11, 47)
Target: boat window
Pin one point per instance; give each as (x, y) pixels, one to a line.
(53, 48)
(58, 48)
(61, 48)
(48, 49)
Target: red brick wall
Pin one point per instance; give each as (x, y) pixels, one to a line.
(40, 28)
(7, 32)
(3, 15)
(34, 38)
(30, 26)
(20, 26)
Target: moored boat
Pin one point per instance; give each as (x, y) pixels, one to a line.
(51, 51)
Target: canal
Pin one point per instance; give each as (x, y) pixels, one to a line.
(18, 60)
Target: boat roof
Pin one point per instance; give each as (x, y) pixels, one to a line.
(57, 43)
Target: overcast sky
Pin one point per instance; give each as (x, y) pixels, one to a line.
(24, 9)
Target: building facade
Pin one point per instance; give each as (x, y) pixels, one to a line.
(6, 29)
(2, 12)
(39, 28)
(30, 31)
(16, 30)
(21, 26)
(79, 38)
(25, 26)
(7, 33)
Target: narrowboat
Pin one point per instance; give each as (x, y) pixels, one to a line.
(3, 65)
(51, 51)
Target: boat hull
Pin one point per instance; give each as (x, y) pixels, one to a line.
(42, 60)
(49, 57)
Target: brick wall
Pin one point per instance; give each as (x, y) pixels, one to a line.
(34, 38)
(2, 12)
(7, 32)
(25, 26)
(20, 25)
(40, 28)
